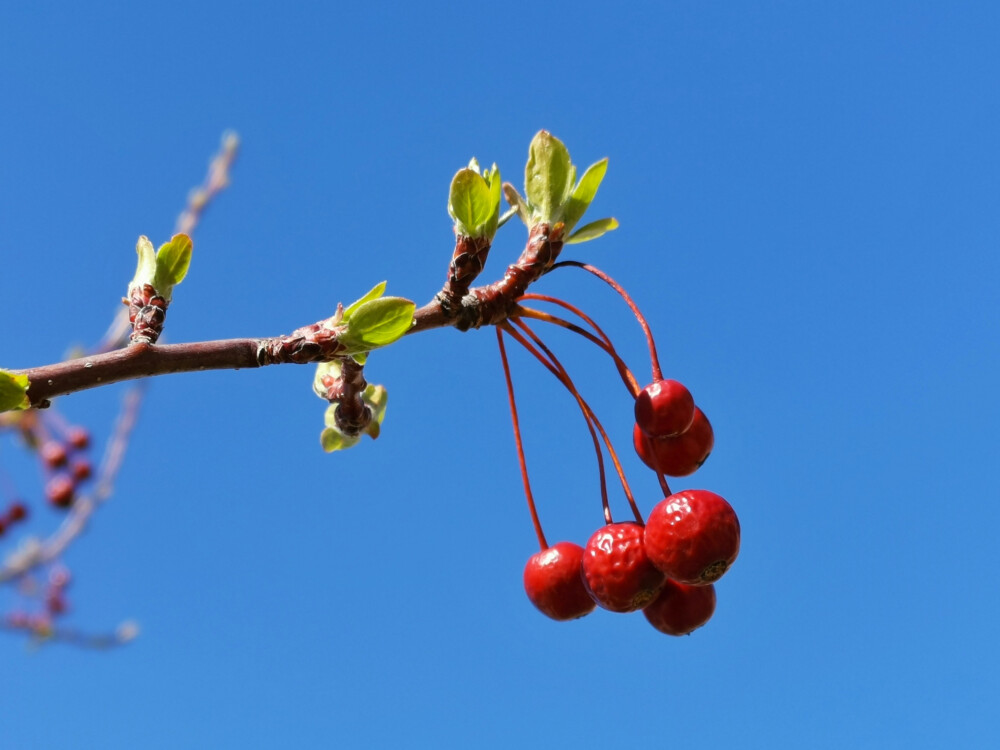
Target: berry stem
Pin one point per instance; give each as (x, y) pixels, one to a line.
(657, 372)
(517, 440)
(556, 368)
(601, 339)
(584, 408)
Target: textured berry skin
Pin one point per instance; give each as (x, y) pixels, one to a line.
(60, 490)
(681, 455)
(679, 608)
(616, 570)
(693, 536)
(664, 408)
(554, 583)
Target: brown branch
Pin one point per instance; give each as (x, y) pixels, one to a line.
(486, 305)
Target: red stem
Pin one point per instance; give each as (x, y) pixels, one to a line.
(626, 375)
(517, 440)
(559, 371)
(657, 372)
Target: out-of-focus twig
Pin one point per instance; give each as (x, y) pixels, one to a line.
(199, 199)
(42, 632)
(33, 553)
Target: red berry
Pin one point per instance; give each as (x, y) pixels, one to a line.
(664, 408)
(60, 490)
(54, 454)
(55, 603)
(3, 526)
(679, 609)
(78, 437)
(554, 584)
(616, 570)
(16, 512)
(677, 456)
(81, 470)
(693, 536)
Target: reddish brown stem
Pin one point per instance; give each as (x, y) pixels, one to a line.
(654, 359)
(626, 375)
(520, 447)
(556, 368)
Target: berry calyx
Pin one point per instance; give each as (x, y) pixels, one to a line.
(677, 456)
(693, 536)
(553, 582)
(616, 570)
(680, 609)
(54, 454)
(664, 408)
(60, 491)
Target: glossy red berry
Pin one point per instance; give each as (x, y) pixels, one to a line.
(60, 491)
(677, 456)
(693, 536)
(54, 454)
(664, 408)
(554, 583)
(616, 570)
(78, 437)
(679, 608)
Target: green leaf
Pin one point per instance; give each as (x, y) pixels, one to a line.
(145, 272)
(496, 190)
(548, 176)
(334, 440)
(376, 291)
(377, 323)
(592, 231)
(584, 193)
(172, 262)
(470, 203)
(13, 391)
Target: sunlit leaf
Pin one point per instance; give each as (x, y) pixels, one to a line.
(13, 391)
(548, 176)
(376, 291)
(470, 203)
(172, 262)
(584, 193)
(592, 231)
(378, 322)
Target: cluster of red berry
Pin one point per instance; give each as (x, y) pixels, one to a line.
(66, 465)
(665, 566)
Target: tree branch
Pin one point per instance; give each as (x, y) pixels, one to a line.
(486, 305)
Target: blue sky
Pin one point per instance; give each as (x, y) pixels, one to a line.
(808, 202)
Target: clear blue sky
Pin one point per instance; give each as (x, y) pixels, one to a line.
(808, 198)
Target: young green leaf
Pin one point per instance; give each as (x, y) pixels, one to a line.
(377, 323)
(334, 440)
(548, 176)
(145, 272)
(13, 391)
(516, 202)
(470, 203)
(172, 262)
(584, 193)
(376, 291)
(592, 231)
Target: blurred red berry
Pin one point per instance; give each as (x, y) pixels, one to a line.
(78, 437)
(693, 536)
(60, 491)
(664, 408)
(81, 470)
(554, 583)
(679, 608)
(17, 511)
(616, 570)
(54, 454)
